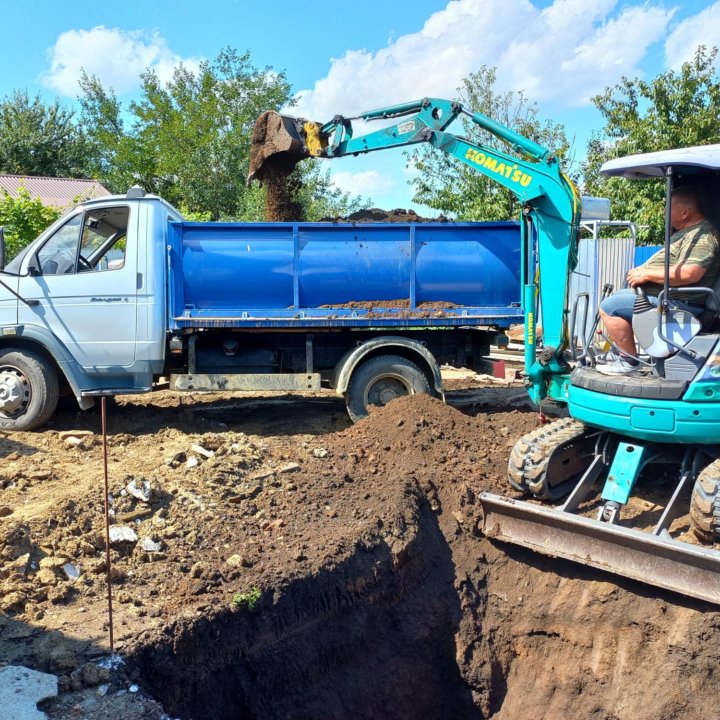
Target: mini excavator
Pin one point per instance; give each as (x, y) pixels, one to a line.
(626, 434)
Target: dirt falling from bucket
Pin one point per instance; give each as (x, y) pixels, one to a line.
(282, 188)
(274, 153)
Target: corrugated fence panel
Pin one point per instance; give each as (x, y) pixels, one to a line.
(600, 262)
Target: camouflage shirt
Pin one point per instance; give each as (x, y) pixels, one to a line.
(696, 245)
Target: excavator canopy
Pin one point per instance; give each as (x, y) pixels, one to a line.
(655, 164)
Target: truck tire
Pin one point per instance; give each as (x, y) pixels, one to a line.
(553, 446)
(381, 379)
(28, 390)
(705, 504)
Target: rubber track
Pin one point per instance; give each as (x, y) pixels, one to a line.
(528, 460)
(705, 504)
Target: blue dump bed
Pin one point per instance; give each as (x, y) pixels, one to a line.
(304, 275)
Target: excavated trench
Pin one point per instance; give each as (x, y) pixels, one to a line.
(428, 619)
(371, 637)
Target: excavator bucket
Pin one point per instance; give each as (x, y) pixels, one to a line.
(280, 142)
(654, 558)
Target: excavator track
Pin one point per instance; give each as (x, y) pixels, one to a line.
(705, 504)
(546, 462)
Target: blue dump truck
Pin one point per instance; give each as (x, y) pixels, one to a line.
(122, 291)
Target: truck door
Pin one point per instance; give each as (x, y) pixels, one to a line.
(84, 278)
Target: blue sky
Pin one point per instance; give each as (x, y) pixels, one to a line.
(344, 58)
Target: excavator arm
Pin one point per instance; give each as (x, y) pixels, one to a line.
(550, 201)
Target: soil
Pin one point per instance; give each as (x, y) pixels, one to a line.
(378, 215)
(273, 157)
(288, 564)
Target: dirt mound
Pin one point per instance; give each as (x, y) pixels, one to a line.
(377, 215)
(421, 438)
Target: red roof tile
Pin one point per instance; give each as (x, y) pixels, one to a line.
(57, 192)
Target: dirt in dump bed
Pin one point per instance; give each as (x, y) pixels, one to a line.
(289, 564)
(392, 305)
(377, 215)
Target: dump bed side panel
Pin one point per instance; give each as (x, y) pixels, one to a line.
(304, 274)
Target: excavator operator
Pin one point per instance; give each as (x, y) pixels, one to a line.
(694, 260)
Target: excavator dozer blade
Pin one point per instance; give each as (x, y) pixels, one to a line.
(691, 570)
(279, 143)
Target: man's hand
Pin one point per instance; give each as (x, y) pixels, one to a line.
(636, 276)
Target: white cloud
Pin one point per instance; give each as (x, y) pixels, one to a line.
(368, 183)
(117, 57)
(701, 29)
(563, 54)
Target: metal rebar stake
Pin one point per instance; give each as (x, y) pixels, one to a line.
(107, 525)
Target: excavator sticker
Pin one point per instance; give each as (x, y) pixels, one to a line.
(406, 127)
(511, 172)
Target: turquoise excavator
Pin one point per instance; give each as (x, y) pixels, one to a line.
(623, 432)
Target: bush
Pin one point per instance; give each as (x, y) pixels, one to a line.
(24, 219)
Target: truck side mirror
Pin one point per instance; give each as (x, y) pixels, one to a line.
(2, 248)
(33, 267)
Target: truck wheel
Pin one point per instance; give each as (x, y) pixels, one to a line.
(28, 390)
(705, 504)
(546, 461)
(382, 379)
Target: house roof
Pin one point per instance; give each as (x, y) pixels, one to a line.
(56, 192)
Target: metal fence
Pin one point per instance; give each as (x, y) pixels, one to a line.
(645, 252)
(601, 261)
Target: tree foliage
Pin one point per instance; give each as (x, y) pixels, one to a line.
(188, 140)
(449, 185)
(23, 218)
(320, 199)
(674, 109)
(39, 139)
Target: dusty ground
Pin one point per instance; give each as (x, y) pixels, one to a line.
(319, 569)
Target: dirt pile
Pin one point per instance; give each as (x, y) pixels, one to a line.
(286, 564)
(378, 215)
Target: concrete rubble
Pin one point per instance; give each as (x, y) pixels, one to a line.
(21, 689)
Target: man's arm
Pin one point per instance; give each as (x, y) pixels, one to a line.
(680, 274)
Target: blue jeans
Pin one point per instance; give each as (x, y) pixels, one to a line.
(620, 304)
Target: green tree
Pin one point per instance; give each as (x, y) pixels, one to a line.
(320, 199)
(23, 218)
(39, 139)
(447, 184)
(674, 109)
(188, 139)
